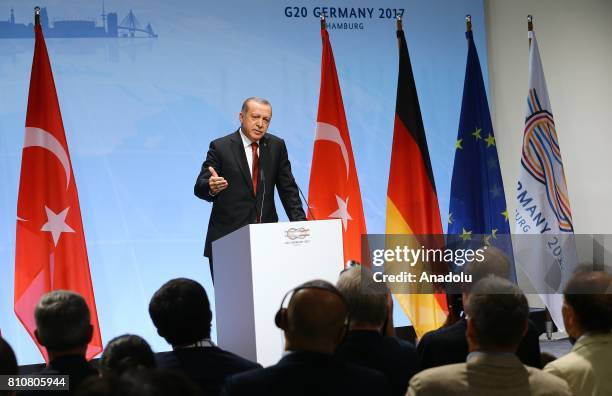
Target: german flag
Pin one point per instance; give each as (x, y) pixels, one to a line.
(412, 203)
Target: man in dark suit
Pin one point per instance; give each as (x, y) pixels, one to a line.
(63, 327)
(314, 323)
(449, 345)
(240, 173)
(180, 310)
(370, 342)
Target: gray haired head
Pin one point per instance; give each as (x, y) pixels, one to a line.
(256, 99)
(498, 312)
(63, 321)
(494, 263)
(367, 304)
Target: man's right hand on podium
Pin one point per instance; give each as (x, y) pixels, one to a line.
(216, 183)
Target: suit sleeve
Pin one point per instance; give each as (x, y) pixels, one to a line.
(227, 389)
(529, 348)
(425, 352)
(287, 188)
(234, 387)
(201, 188)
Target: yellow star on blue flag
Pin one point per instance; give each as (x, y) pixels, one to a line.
(466, 235)
(476, 134)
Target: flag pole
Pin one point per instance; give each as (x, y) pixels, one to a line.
(548, 322)
(468, 23)
(530, 29)
(400, 30)
(36, 15)
(530, 23)
(323, 24)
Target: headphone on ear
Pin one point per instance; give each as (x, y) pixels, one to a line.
(280, 319)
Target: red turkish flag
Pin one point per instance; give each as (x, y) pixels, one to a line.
(50, 251)
(333, 191)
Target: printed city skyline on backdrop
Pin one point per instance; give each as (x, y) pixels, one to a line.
(60, 27)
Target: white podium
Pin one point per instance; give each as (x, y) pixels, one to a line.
(255, 266)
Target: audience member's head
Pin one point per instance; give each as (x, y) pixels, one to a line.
(63, 324)
(367, 304)
(124, 353)
(180, 311)
(315, 318)
(587, 306)
(494, 262)
(497, 314)
(8, 362)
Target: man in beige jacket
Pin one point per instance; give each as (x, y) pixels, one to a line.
(496, 321)
(587, 314)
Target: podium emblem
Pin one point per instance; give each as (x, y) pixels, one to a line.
(297, 233)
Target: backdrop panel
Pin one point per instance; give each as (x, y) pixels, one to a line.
(139, 113)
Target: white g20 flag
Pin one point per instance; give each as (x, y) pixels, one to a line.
(548, 254)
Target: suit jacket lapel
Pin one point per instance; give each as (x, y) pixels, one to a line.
(241, 160)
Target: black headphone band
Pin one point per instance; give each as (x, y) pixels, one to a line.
(293, 291)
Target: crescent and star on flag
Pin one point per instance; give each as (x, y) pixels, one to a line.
(329, 133)
(56, 222)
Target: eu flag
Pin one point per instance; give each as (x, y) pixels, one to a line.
(478, 212)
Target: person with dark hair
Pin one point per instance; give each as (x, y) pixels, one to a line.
(124, 353)
(63, 327)
(496, 322)
(180, 310)
(587, 315)
(449, 345)
(369, 341)
(8, 363)
(314, 323)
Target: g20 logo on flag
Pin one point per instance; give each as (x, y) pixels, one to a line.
(542, 159)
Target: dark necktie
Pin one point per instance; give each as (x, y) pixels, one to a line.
(255, 173)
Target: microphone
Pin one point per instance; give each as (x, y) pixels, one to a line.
(305, 200)
(262, 181)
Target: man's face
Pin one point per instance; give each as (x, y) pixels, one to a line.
(255, 120)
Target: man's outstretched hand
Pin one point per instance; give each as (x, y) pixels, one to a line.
(216, 183)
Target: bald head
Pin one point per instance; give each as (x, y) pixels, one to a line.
(315, 317)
